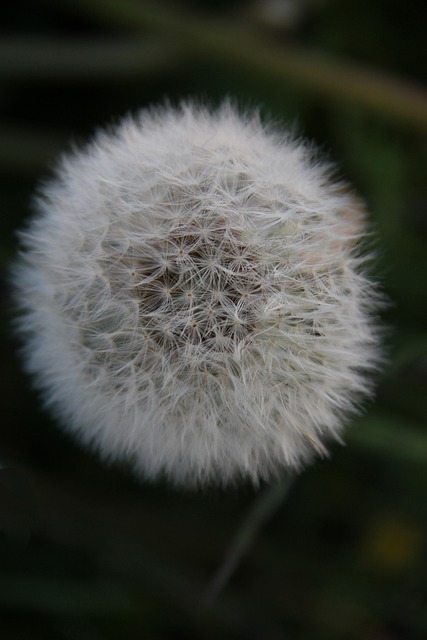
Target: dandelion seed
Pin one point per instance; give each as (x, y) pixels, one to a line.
(229, 306)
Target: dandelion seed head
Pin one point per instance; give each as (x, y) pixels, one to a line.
(194, 300)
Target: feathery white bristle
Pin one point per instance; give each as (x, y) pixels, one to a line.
(193, 300)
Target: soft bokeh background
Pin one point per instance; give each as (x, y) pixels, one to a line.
(87, 552)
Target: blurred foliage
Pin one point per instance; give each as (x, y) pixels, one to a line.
(88, 553)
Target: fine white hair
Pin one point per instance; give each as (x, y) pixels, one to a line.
(193, 297)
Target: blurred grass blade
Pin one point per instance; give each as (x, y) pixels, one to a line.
(235, 45)
(384, 435)
(45, 595)
(62, 60)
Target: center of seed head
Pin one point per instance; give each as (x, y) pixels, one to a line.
(199, 286)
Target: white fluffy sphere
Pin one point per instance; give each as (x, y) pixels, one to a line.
(193, 300)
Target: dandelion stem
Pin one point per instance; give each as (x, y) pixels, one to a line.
(237, 46)
(260, 513)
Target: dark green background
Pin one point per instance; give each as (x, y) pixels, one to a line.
(87, 552)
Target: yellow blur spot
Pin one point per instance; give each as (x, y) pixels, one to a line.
(394, 544)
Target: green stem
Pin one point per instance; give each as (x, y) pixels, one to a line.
(262, 511)
(237, 46)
